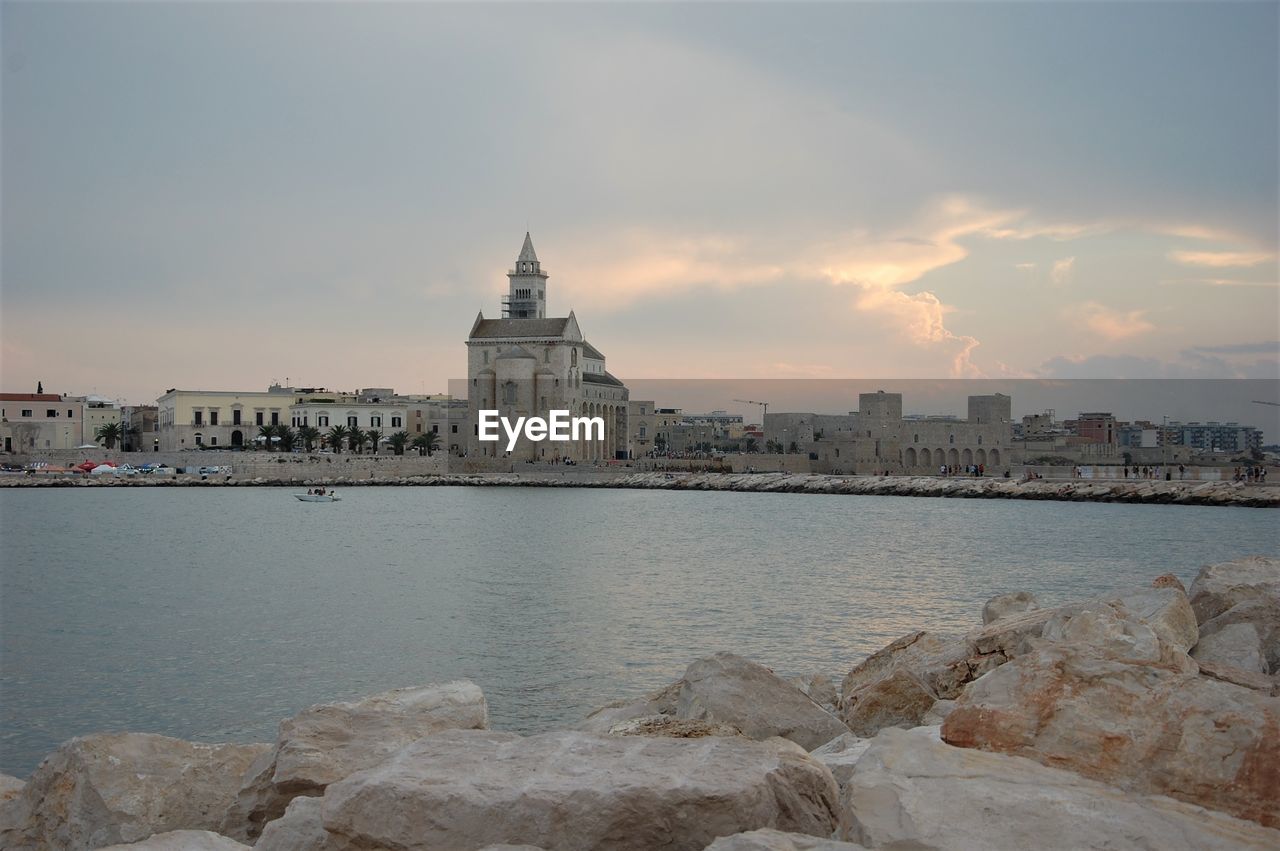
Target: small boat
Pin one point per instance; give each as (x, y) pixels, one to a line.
(315, 497)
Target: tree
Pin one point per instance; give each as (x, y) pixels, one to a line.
(287, 437)
(432, 442)
(309, 435)
(356, 439)
(108, 433)
(750, 445)
(267, 432)
(398, 442)
(335, 438)
(374, 436)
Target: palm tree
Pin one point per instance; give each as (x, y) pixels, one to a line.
(398, 442)
(335, 438)
(108, 434)
(287, 437)
(749, 445)
(309, 435)
(356, 439)
(267, 432)
(426, 443)
(374, 436)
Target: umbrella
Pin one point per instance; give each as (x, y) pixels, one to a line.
(86, 466)
(87, 446)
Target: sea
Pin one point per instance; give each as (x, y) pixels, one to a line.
(211, 614)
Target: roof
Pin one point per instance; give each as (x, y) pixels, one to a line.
(591, 351)
(498, 328)
(597, 378)
(516, 352)
(526, 251)
(30, 397)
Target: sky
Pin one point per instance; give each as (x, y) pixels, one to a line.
(219, 195)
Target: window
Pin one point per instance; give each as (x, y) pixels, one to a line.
(352, 422)
(979, 440)
(213, 441)
(322, 420)
(213, 418)
(51, 413)
(486, 356)
(257, 418)
(546, 355)
(396, 422)
(199, 418)
(951, 438)
(235, 416)
(69, 413)
(417, 427)
(455, 429)
(642, 431)
(199, 439)
(435, 429)
(26, 412)
(917, 440)
(275, 418)
(375, 421)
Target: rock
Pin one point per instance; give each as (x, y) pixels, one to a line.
(1146, 728)
(572, 790)
(1168, 580)
(1008, 604)
(898, 699)
(1237, 645)
(301, 827)
(938, 713)
(776, 840)
(674, 728)
(820, 689)
(325, 743)
(728, 689)
(113, 788)
(910, 791)
(1100, 626)
(1220, 587)
(1264, 616)
(1167, 611)
(183, 840)
(840, 754)
(1240, 677)
(660, 702)
(10, 787)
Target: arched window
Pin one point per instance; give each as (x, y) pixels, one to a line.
(979, 440)
(917, 439)
(573, 361)
(951, 438)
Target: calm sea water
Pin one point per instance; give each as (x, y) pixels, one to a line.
(212, 614)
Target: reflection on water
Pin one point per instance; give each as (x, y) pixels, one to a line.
(212, 614)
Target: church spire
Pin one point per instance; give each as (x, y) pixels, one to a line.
(526, 252)
(527, 296)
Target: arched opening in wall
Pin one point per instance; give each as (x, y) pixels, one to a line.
(926, 458)
(911, 457)
(237, 438)
(939, 457)
(966, 457)
(980, 457)
(994, 456)
(953, 457)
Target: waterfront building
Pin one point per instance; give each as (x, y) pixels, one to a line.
(878, 438)
(1214, 437)
(1095, 427)
(142, 428)
(642, 425)
(367, 410)
(527, 364)
(38, 422)
(222, 419)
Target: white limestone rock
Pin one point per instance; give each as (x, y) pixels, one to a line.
(112, 788)
(183, 840)
(301, 827)
(1237, 645)
(672, 728)
(10, 787)
(1264, 616)
(775, 840)
(820, 688)
(325, 743)
(728, 689)
(660, 702)
(1220, 587)
(840, 754)
(1005, 605)
(910, 791)
(573, 790)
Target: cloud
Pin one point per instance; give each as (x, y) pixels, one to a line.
(1024, 267)
(1187, 364)
(1271, 347)
(1218, 282)
(1109, 323)
(1062, 270)
(1221, 259)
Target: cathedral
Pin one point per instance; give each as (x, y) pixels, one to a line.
(527, 364)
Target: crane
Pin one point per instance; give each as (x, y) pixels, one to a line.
(764, 405)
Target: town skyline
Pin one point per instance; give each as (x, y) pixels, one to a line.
(195, 195)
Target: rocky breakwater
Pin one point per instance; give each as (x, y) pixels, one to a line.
(1117, 722)
(1082, 490)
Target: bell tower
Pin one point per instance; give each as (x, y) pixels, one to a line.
(527, 294)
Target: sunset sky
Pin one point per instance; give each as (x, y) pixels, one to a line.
(216, 196)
